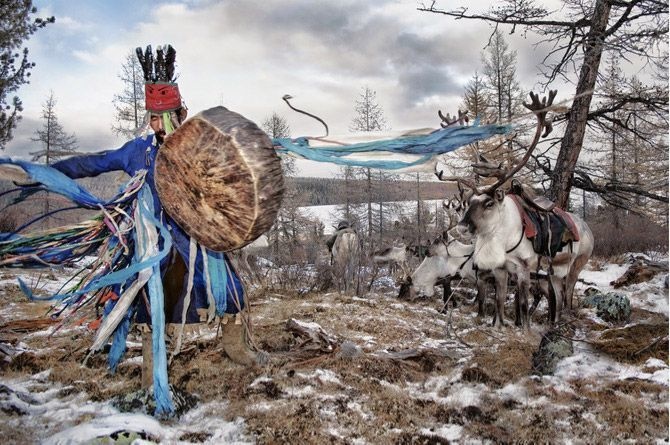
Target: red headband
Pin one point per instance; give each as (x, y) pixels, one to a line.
(162, 96)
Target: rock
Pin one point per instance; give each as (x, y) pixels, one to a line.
(611, 307)
(554, 347)
(349, 350)
(143, 401)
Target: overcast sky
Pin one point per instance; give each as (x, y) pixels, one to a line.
(247, 54)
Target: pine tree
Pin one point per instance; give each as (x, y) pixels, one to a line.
(17, 25)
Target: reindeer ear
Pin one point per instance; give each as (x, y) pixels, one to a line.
(499, 195)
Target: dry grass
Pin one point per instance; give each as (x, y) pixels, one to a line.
(634, 343)
(308, 396)
(510, 361)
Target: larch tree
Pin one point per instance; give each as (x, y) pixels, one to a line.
(499, 79)
(575, 37)
(17, 25)
(476, 99)
(286, 227)
(56, 143)
(129, 103)
(369, 117)
(276, 126)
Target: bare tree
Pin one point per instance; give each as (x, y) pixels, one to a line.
(369, 117)
(276, 126)
(129, 104)
(349, 208)
(576, 36)
(500, 78)
(53, 138)
(632, 143)
(476, 99)
(17, 26)
(55, 141)
(369, 114)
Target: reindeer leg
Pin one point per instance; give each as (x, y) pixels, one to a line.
(556, 289)
(540, 290)
(523, 282)
(571, 279)
(446, 292)
(481, 296)
(501, 295)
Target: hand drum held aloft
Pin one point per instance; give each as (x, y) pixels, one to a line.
(219, 178)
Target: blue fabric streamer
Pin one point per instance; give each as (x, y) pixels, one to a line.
(118, 349)
(118, 277)
(164, 405)
(55, 181)
(218, 276)
(439, 142)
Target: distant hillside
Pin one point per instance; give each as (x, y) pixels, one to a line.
(303, 192)
(327, 191)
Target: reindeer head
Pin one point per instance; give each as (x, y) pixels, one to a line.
(484, 212)
(406, 291)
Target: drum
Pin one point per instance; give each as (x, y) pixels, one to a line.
(220, 179)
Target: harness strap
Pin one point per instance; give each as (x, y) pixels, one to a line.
(467, 257)
(517, 244)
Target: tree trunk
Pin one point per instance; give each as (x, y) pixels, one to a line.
(418, 213)
(369, 184)
(573, 139)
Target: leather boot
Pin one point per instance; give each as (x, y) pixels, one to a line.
(236, 346)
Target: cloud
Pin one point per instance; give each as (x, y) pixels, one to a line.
(70, 25)
(247, 55)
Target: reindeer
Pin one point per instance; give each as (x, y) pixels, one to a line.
(501, 246)
(345, 254)
(448, 258)
(395, 257)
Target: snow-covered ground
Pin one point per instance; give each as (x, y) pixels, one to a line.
(37, 407)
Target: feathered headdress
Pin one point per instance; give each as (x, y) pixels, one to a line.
(160, 89)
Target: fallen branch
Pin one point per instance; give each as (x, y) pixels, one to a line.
(651, 345)
(314, 336)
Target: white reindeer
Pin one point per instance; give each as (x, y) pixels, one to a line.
(502, 247)
(395, 257)
(345, 258)
(447, 259)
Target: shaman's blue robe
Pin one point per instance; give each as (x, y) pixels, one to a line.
(138, 154)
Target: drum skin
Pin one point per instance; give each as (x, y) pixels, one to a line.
(220, 179)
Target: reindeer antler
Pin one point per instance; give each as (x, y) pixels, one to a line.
(447, 121)
(540, 108)
(483, 167)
